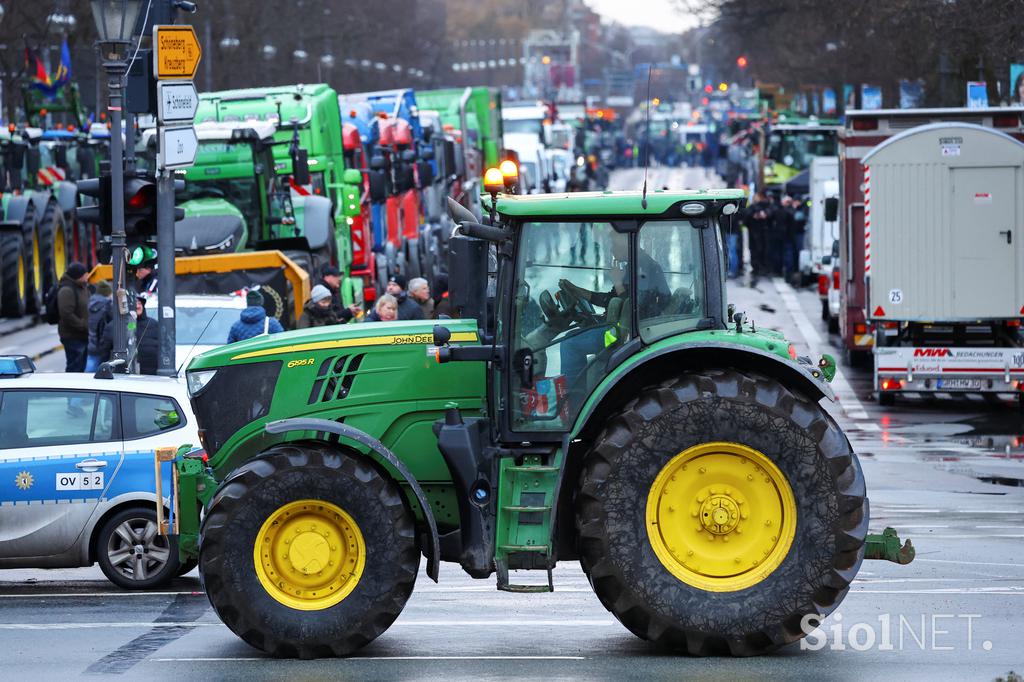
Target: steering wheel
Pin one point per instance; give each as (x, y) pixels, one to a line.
(581, 310)
(209, 193)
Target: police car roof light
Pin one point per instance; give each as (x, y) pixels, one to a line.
(16, 365)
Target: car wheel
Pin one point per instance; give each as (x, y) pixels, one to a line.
(132, 554)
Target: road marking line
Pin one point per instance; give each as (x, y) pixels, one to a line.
(66, 595)
(966, 563)
(581, 622)
(1005, 591)
(848, 400)
(971, 537)
(389, 658)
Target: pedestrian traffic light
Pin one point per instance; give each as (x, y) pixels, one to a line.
(741, 62)
(97, 213)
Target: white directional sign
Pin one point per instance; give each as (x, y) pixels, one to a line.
(178, 147)
(177, 101)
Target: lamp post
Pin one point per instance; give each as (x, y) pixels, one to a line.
(115, 24)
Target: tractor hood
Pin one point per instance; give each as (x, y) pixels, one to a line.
(299, 346)
(660, 203)
(210, 226)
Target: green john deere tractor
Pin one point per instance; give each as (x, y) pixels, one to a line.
(596, 401)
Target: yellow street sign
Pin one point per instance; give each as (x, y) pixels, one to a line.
(176, 52)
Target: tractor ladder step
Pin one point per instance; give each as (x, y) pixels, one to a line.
(534, 469)
(525, 548)
(523, 509)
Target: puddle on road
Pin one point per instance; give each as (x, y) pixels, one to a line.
(986, 446)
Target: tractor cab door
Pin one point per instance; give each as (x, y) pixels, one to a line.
(571, 309)
(579, 307)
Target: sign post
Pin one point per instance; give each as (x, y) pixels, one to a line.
(176, 55)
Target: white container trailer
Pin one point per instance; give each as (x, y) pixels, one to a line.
(944, 225)
(821, 234)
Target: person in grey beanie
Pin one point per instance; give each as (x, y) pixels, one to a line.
(319, 310)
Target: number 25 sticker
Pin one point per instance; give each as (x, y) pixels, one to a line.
(895, 296)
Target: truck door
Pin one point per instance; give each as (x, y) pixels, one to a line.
(985, 238)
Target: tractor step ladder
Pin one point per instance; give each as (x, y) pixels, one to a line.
(524, 501)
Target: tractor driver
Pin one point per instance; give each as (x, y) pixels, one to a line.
(653, 295)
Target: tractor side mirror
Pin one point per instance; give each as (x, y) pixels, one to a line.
(300, 167)
(351, 176)
(831, 209)
(467, 278)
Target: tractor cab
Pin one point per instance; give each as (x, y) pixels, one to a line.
(587, 280)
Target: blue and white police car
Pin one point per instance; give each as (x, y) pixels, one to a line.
(77, 475)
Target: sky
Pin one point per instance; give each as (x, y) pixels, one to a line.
(658, 14)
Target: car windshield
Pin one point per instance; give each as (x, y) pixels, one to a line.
(204, 326)
(243, 193)
(796, 148)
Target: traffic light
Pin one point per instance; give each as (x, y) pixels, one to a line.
(99, 212)
(139, 207)
(741, 62)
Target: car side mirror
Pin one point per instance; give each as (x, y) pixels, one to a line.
(831, 209)
(300, 167)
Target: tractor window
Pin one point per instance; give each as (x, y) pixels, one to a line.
(572, 311)
(670, 288)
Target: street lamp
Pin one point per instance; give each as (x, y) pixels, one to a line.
(115, 24)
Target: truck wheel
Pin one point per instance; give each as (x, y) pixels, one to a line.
(53, 253)
(308, 551)
(886, 399)
(717, 510)
(132, 554)
(833, 324)
(14, 273)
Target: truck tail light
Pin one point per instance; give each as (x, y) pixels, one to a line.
(1013, 323)
(865, 124)
(1005, 121)
(892, 325)
(835, 278)
(823, 285)
(860, 328)
(892, 384)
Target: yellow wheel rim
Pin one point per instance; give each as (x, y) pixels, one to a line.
(22, 278)
(37, 267)
(309, 555)
(59, 251)
(721, 517)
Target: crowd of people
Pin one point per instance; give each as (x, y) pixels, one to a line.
(84, 311)
(775, 235)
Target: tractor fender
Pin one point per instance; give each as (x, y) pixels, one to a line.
(17, 207)
(317, 221)
(41, 199)
(67, 196)
(654, 365)
(382, 455)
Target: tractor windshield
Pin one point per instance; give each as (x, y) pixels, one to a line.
(573, 308)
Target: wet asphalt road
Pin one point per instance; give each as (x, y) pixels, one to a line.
(956, 612)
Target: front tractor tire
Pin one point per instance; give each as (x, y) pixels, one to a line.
(718, 509)
(308, 551)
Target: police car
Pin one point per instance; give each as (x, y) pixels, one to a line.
(77, 476)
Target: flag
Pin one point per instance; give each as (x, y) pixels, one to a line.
(34, 66)
(63, 75)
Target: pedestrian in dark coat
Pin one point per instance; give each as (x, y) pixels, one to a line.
(73, 316)
(330, 277)
(100, 311)
(318, 311)
(253, 321)
(408, 309)
(147, 339)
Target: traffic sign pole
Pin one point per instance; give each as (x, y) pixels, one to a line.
(165, 270)
(176, 55)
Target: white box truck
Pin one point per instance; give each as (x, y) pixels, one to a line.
(820, 234)
(944, 224)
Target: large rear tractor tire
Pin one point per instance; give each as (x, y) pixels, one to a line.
(719, 509)
(14, 274)
(308, 551)
(53, 247)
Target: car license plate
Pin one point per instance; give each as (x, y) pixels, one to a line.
(960, 384)
(80, 481)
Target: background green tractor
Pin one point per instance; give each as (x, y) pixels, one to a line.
(597, 401)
